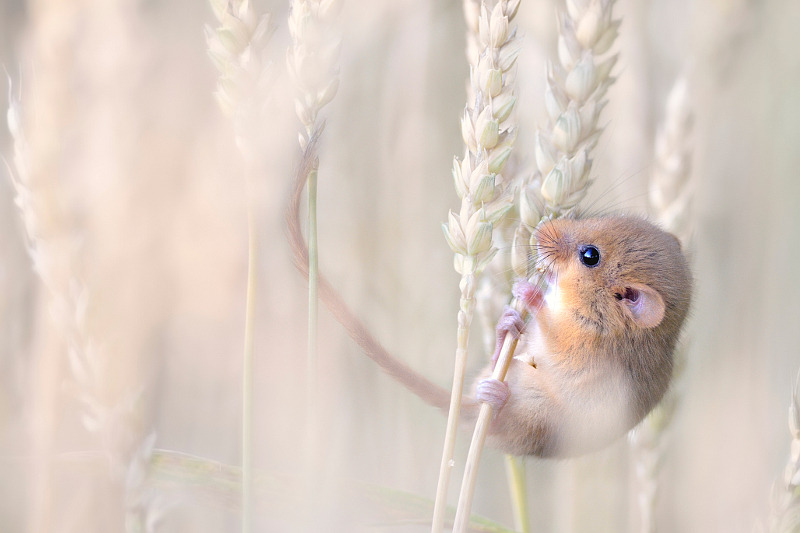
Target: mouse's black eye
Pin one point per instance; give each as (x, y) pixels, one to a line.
(590, 256)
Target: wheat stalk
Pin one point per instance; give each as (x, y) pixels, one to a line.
(313, 62)
(670, 191)
(238, 49)
(488, 129)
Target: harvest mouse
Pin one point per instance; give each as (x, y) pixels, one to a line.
(601, 337)
(596, 356)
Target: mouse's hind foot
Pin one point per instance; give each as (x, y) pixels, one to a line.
(494, 392)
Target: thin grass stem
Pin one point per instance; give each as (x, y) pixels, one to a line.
(515, 472)
(312, 405)
(313, 270)
(313, 64)
(237, 48)
(247, 373)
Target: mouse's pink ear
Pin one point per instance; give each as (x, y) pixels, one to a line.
(643, 304)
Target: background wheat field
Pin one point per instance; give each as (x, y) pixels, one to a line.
(127, 353)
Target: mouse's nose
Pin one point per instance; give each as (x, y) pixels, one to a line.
(551, 243)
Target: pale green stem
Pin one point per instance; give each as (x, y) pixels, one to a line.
(515, 471)
(313, 313)
(247, 373)
(464, 321)
(313, 275)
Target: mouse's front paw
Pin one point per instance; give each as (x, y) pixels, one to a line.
(492, 391)
(510, 323)
(525, 291)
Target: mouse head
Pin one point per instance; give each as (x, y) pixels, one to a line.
(614, 274)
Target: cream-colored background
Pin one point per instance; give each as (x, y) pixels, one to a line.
(143, 183)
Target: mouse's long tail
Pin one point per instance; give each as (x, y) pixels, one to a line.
(415, 382)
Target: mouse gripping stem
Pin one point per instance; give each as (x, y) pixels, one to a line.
(482, 427)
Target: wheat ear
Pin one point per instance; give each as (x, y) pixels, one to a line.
(313, 61)
(43, 256)
(670, 192)
(237, 48)
(68, 302)
(489, 130)
(670, 188)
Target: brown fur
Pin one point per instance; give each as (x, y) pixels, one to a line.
(599, 367)
(598, 371)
